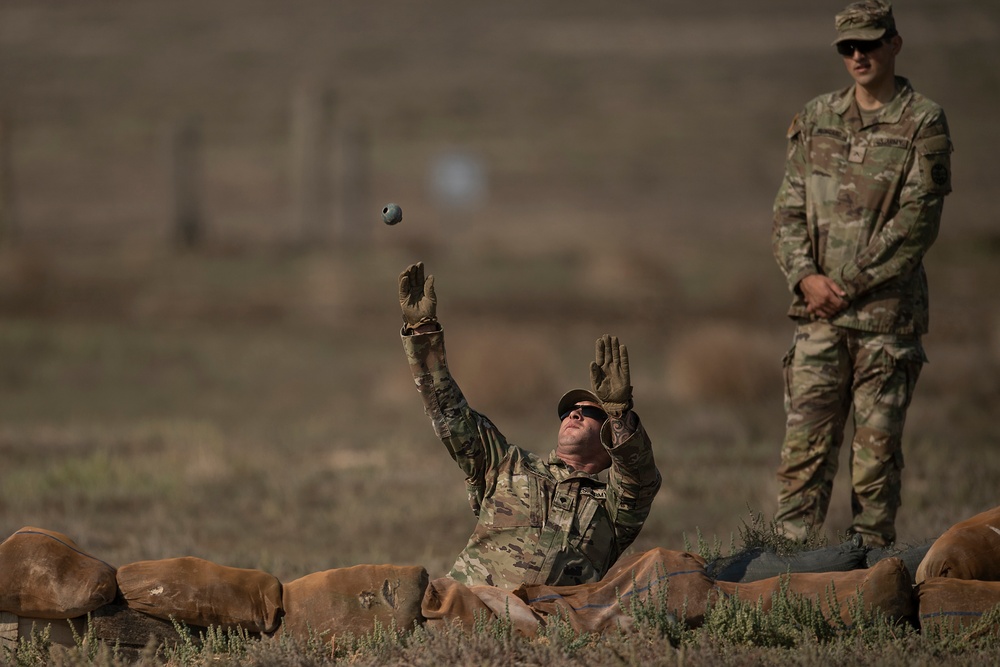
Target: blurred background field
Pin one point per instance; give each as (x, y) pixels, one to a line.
(246, 399)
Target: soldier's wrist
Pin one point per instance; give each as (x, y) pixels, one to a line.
(423, 325)
(616, 409)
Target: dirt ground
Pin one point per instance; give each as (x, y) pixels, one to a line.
(248, 401)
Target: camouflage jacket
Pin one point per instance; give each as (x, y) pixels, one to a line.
(861, 203)
(539, 521)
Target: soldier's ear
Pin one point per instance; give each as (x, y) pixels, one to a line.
(895, 44)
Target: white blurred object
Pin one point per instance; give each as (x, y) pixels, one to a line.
(457, 180)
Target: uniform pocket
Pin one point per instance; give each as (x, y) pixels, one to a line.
(515, 502)
(593, 534)
(889, 371)
(907, 361)
(829, 154)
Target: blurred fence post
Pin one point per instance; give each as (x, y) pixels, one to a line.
(312, 120)
(354, 183)
(186, 182)
(8, 221)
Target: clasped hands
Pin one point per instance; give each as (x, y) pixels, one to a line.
(824, 297)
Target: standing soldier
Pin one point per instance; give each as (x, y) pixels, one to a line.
(867, 171)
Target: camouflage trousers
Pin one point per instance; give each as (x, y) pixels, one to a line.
(828, 371)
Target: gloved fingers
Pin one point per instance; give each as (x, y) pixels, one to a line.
(416, 281)
(411, 283)
(429, 291)
(404, 285)
(600, 351)
(612, 344)
(623, 363)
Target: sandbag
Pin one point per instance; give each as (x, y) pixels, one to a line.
(885, 586)
(198, 592)
(910, 555)
(756, 564)
(956, 604)
(967, 550)
(44, 574)
(448, 601)
(352, 599)
(604, 605)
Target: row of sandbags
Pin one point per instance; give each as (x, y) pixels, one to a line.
(44, 575)
(58, 581)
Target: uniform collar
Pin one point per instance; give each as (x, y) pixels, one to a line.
(890, 113)
(564, 471)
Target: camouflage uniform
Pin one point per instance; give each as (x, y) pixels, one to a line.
(540, 521)
(860, 203)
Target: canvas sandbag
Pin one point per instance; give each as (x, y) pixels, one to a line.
(199, 592)
(605, 605)
(910, 555)
(885, 586)
(956, 604)
(44, 574)
(967, 550)
(756, 564)
(352, 599)
(447, 601)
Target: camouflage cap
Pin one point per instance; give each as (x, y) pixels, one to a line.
(867, 20)
(574, 396)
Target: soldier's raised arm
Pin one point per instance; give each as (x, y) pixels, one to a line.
(471, 439)
(634, 479)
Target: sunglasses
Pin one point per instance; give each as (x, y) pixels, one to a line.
(848, 48)
(587, 411)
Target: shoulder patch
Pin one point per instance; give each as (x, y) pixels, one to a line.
(935, 163)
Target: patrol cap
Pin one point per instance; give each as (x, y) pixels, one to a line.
(865, 21)
(574, 396)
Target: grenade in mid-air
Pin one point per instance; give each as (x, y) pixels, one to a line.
(392, 214)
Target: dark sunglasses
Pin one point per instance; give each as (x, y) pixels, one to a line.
(848, 48)
(587, 411)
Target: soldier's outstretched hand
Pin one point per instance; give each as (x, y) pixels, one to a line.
(416, 296)
(609, 376)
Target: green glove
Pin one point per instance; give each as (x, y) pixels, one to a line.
(609, 376)
(416, 296)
